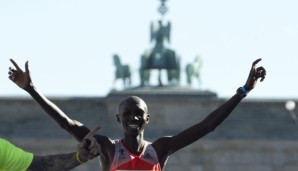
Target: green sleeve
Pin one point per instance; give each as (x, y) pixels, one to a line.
(13, 158)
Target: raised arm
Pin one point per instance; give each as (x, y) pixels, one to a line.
(169, 145)
(23, 80)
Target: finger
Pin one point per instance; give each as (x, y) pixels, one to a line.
(91, 156)
(11, 69)
(261, 69)
(11, 78)
(92, 143)
(27, 66)
(15, 64)
(92, 132)
(261, 73)
(256, 61)
(81, 145)
(87, 141)
(94, 152)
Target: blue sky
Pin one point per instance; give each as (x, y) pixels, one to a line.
(70, 43)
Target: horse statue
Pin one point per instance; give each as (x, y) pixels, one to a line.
(160, 57)
(122, 72)
(193, 70)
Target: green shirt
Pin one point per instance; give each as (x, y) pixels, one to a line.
(13, 158)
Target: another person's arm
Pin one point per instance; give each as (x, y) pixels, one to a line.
(23, 80)
(15, 158)
(168, 145)
(58, 162)
(87, 150)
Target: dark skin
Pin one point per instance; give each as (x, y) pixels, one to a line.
(133, 116)
(57, 162)
(63, 162)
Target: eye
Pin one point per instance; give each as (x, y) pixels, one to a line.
(140, 113)
(127, 113)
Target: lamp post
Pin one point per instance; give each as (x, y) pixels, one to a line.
(290, 106)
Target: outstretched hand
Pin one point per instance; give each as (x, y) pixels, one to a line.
(89, 147)
(18, 76)
(254, 75)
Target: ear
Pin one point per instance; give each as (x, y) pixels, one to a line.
(147, 118)
(118, 118)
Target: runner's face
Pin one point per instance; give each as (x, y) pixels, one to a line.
(133, 116)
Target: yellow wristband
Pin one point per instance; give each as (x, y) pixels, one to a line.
(78, 158)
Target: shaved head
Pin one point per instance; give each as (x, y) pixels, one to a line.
(132, 100)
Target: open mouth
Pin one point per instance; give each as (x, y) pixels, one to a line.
(134, 126)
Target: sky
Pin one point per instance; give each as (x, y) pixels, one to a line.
(70, 43)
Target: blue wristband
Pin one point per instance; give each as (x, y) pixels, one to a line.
(244, 91)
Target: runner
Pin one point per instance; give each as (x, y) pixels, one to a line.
(132, 152)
